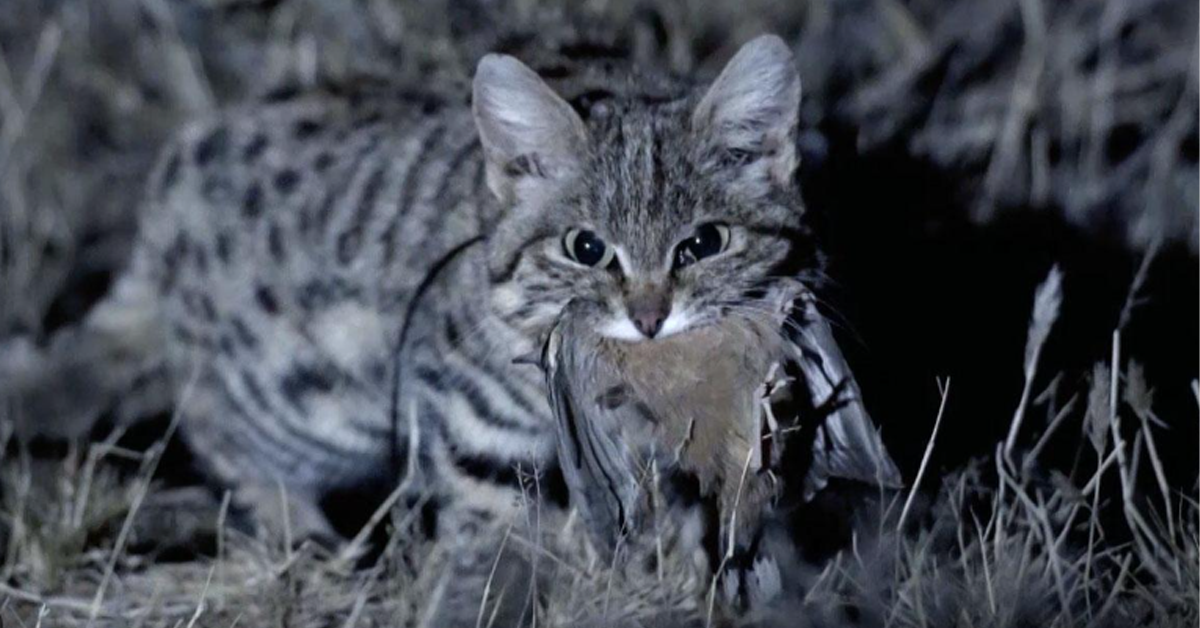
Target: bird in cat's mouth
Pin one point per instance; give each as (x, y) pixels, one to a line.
(715, 405)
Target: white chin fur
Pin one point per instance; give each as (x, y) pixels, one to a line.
(621, 328)
(676, 322)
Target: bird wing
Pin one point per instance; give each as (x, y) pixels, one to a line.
(598, 465)
(847, 445)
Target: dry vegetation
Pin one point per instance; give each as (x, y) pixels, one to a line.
(1084, 108)
(1004, 543)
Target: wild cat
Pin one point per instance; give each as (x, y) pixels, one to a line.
(336, 288)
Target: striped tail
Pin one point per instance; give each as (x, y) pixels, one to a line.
(111, 362)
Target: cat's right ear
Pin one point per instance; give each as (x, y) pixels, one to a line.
(531, 137)
(752, 109)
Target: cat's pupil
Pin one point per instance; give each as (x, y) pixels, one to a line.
(588, 248)
(707, 242)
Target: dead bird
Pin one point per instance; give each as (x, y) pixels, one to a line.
(731, 405)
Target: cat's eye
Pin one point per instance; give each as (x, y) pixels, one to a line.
(587, 248)
(710, 239)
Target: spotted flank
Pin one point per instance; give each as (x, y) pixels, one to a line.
(315, 263)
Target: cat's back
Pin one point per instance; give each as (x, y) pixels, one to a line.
(291, 245)
(331, 183)
(285, 240)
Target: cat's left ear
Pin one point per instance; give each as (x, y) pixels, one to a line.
(751, 111)
(531, 137)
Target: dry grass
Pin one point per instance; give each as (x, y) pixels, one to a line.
(1005, 543)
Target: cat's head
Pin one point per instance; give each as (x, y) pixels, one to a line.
(670, 215)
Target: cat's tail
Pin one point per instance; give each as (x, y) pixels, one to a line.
(111, 362)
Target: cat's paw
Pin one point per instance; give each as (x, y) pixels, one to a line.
(270, 512)
(752, 587)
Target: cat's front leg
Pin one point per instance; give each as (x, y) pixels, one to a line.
(485, 580)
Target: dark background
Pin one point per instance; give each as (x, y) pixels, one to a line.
(924, 293)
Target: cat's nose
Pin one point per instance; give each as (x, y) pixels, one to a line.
(648, 311)
(649, 323)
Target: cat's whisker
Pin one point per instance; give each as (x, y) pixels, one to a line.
(769, 316)
(831, 314)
